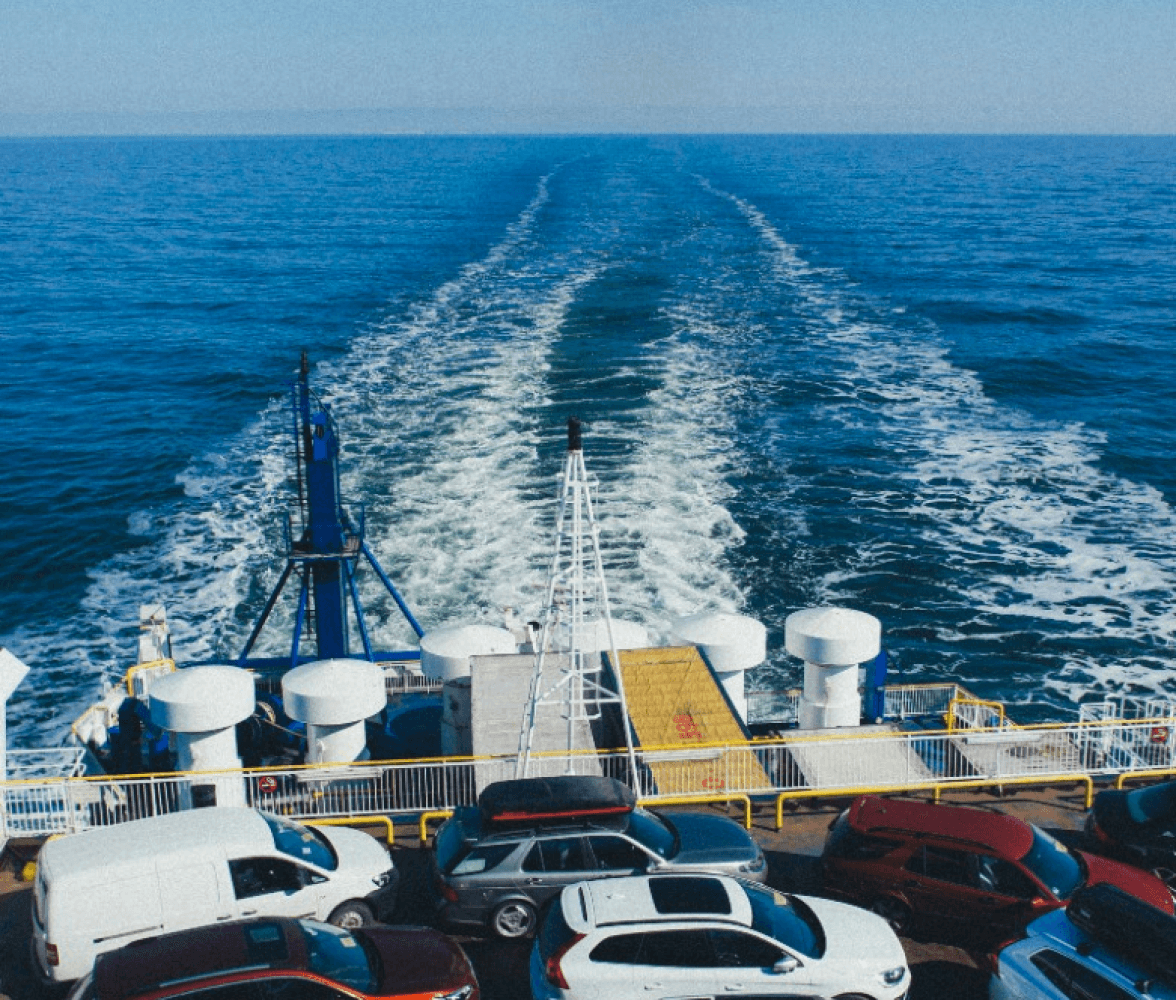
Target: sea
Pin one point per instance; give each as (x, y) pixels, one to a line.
(927, 377)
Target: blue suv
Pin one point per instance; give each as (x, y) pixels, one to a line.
(1105, 945)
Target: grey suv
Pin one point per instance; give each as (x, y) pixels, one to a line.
(497, 864)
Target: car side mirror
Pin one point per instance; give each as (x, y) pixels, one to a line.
(786, 964)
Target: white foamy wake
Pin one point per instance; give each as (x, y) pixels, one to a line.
(431, 404)
(1018, 512)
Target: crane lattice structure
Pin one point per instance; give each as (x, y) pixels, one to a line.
(576, 603)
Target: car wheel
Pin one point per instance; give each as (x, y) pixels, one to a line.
(894, 911)
(515, 919)
(351, 915)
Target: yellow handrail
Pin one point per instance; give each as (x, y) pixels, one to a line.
(433, 814)
(995, 705)
(685, 800)
(357, 821)
(138, 668)
(935, 787)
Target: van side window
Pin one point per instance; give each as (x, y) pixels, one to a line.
(258, 876)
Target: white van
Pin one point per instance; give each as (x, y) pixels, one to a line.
(98, 890)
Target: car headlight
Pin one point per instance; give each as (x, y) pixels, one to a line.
(892, 977)
(461, 993)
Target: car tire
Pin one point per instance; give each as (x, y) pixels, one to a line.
(894, 911)
(351, 915)
(515, 919)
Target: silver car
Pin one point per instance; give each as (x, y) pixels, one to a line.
(488, 876)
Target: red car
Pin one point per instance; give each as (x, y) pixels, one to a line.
(962, 865)
(282, 959)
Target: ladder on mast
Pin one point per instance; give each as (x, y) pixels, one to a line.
(577, 576)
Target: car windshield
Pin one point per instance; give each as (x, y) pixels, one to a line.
(1145, 805)
(654, 832)
(1053, 864)
(302, 842)
(786, 919)
(338, 955)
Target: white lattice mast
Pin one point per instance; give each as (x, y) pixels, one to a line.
(577, 599)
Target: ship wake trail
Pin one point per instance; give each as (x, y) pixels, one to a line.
(1034, 550)
(436, 412)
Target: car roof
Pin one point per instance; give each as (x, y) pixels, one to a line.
(998, 832)
(157, 836)
(219, 949)
(654, 898)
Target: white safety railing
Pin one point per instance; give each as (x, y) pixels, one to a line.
(909, 701)
(800, 762)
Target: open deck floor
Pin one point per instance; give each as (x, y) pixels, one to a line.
(939, 968)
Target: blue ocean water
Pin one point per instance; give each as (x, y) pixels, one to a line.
(926, 377)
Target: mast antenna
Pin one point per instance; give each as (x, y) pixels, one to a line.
(576, 608)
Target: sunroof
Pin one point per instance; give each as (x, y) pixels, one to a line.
(689, 895)
(266, 943)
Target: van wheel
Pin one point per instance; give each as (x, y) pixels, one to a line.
(515, 919)
(351, 915)
(894, 911)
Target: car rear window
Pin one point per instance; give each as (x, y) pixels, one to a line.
(689, 895)
(846, 842)
(480, 859)
(787, 919)
(1075, 980)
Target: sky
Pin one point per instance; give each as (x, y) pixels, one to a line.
(149, 66)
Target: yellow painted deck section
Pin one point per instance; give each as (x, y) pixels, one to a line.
(675, 703)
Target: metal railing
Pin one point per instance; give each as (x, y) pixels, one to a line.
(801, 764)
(907, 701)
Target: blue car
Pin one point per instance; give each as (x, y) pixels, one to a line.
(1105, 945)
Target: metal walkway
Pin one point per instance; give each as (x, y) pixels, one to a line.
(675, 704)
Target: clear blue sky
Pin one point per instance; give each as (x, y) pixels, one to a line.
(598, 65)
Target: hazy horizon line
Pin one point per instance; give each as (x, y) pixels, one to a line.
(621, 120)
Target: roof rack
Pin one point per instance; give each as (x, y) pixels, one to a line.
(1127, 926)
(531, 801)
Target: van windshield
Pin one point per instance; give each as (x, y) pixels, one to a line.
(302, 842)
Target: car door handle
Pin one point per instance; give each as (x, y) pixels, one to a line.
(248, 913)
(653, 986)
(533, 881)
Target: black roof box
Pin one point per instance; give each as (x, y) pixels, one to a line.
(537, 800)
(1127, 926)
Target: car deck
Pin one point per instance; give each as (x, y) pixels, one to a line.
(937, 968)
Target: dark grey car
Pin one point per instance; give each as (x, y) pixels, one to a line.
(485, 876)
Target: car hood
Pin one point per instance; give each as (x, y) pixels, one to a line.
(359, 853)
(1141, 884)
(706, 840)
(856, 938)
(418, 960)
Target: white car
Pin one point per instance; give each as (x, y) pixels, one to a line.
(703, 936)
